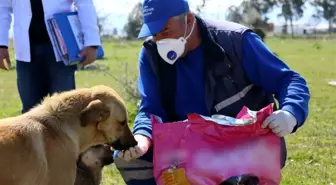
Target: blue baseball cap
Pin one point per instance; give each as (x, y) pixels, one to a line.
(157, 12)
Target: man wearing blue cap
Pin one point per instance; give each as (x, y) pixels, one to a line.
(193, 65)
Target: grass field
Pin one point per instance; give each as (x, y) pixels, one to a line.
(311, 151)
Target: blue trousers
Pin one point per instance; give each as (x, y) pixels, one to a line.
(42, 76)
(138, 171)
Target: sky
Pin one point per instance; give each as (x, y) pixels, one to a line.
(215, 9)
(118, 11)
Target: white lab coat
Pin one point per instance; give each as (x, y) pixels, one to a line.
(21, 10)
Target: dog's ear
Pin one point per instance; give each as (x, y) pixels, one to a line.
(95, 112)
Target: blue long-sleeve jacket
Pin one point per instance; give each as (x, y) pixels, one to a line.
(261, 66)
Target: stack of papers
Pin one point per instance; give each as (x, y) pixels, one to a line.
(68, 37)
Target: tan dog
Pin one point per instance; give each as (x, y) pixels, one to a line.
(41, 146)
(90, 164)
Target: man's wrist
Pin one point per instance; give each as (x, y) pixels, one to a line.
(143, 138)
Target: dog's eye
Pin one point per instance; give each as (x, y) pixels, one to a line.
(123, 123)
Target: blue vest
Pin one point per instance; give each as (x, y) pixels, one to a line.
(226, 86)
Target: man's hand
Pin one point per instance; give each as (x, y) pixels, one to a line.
(280, 122)
(4, 59)
(144, 144)
(90, 54)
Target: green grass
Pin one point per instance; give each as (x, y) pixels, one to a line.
(311, 151)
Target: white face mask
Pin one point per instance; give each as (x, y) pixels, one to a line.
(172, 49)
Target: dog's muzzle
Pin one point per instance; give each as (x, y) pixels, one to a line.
(120, 145)
(125, 141)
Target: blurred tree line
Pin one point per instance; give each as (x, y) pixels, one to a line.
(253, 13)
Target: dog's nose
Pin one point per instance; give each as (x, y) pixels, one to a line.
(120, 145)
(125, 141)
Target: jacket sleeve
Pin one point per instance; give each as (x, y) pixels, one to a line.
(5, 21)
(150, 98)
(89, 22)
(269, 72)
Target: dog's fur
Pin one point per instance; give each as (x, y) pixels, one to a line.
(41, 146)
(91, 163)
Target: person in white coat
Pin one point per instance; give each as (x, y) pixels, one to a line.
(39, 68)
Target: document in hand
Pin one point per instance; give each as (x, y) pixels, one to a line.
(68, 37)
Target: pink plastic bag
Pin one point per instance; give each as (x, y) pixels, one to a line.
(212, 150)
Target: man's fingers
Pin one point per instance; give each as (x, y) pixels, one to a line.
(130, 154)
(85, 62)
(4, 59)
(268, 120)
(127, 155)
(3, 64)
(274, 124)
(7, 62)
(82, 53)
(121, 154)
(133, 152)
(89, 54)
(88, 60)
(277, 130)
(282, 133)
